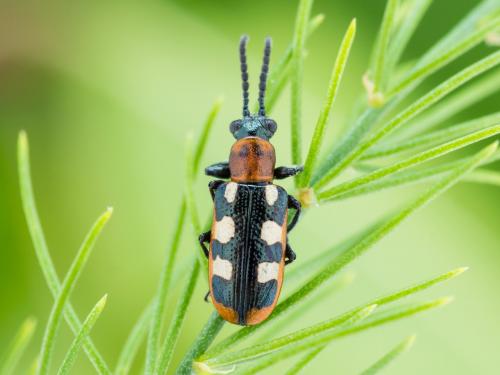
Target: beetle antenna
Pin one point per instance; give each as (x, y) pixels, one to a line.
(244, 74)
(263, 76)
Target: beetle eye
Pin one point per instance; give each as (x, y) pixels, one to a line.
(235, 126)
(271, 125)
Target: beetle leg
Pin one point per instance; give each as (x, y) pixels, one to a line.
(295, 204)
(289, 254)
(219, 170)
(206, 296)
(284, 172)
(213, 185)
(204, 237)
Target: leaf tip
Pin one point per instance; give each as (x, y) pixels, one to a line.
(408, 343)
(219, 101)
(203, 368)
(459, 271)
(318, 20)
(102, 302)
(29, 325)
(353, 25)
(444, 301)
(109, 211)
(22, 140)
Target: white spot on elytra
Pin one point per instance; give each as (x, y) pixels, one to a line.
(222, 267)
(224, 229)
(271, 232)
(267, 271)
(271, 194)
(230, 193)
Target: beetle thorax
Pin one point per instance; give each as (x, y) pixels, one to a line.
(252, 160)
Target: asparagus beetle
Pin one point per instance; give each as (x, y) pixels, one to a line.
(248, 238)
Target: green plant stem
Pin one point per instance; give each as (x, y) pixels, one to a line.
(335, 79)
(303, 16)
(333, 267)
(158, 305)
(134, 340)
(280, 73)
(70, 358)
(42, 251)
(175, 326)
(410, 112)
(410, 162)
(67, 287)
(390, 357)
(15, 350)
(201, 343)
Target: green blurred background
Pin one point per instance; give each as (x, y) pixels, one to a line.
(107, 92)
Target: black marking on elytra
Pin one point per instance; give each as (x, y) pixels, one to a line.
(246, 250)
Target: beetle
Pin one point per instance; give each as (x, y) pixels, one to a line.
(248, 238)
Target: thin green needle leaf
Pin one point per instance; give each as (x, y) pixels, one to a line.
(158, 305)
(400, 179)
(303, 16)
(430, 139)
(408, 163)
(325, 293)
(279, 74)
(88, 324)
(15, 350)
(67, 287)
(483, 176)
(174, 329)
(391, 315)
(42, 251)
(335, 79)
(134, 340)
(204, 135)
(415, 176)
(304, 361)
(475, 92)
(201, 343)
(379, 60)
(383, 362)
(451, 54)
(333, 267)
(413, 110)
(409, 15)
(192, 209)
(374, 320)
(404, 293)
(297, 338)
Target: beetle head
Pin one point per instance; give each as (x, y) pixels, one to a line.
(258, 125)
(253, 126)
